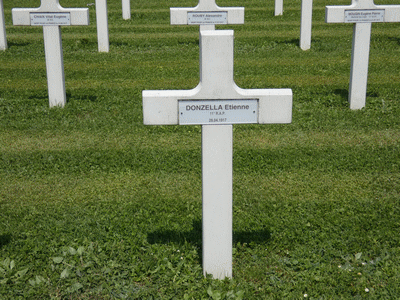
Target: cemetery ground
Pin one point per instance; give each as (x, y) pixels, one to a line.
(95, 205)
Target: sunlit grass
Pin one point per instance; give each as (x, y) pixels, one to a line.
(95, 205)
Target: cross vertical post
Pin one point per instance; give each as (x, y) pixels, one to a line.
(362, 13)
(216, 145)
(217, 103)
(126, 9)
(306, 24)
(359, 65)
(278, 7)
(3, 38)
(102, 26)
(54, 65)
(51, 16)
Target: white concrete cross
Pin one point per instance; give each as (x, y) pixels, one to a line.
(362, 13)
(306, 23)
(51, 16)
(102, 26)
(126, 9)
(3, 38)
(207, 14)
(217, 100)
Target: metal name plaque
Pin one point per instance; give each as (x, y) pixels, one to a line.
(364, 15)
(207, 18)
(50, 19)
(202, 112)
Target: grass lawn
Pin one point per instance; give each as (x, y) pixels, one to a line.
(95, 205)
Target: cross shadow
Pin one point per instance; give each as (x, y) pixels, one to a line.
(82, 98)
(43, 95)
(343, 100)
(4, 240)
(395, 39)
(172, 236)
(14, 44)
(344, 94)
(295, 42)
(194, 237)
(40, 95)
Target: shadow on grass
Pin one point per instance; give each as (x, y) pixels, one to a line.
(344, 96)
(14, 44)
(43, 95)
(172, 236)
(194, 237)
(4, 240)
(85, 97)
(395, 39)
(294, 42)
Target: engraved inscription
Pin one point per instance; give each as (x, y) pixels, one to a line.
(240, 111)
(50, 19)
(207, 18)
(364, 15)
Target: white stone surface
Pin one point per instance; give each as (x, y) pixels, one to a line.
(278, 7)
(217, 200)
(102, 26)
(216, 83)
(336, 14)
(126, 9)
(3, 38)
(79, 16)
(54, 65)
(306, 24)
(359, 65)
(179, 15)
(53, 43)
(361, 41)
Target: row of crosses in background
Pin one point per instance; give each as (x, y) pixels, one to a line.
(216, 103)
(51, 15)
(362, 13)
(334, 14)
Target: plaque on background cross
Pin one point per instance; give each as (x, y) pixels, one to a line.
(217, 103)
(51, 16)
(3, 38)
(362, 13)
(207, 14)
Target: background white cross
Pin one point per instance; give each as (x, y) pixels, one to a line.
(48, 14)
(362, 13)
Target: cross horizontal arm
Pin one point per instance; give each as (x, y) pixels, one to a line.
(336, 14)
(161, 107)
(216, 83)
(21, 16)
